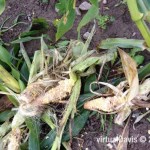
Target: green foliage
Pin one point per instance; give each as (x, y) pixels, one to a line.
(140, 11)
(103, 20)
(67, 9)
(66, 22)
(138, 58)
(89, 16)
(2, 6)
(34, 128)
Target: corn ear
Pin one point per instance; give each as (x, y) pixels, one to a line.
(57, 93)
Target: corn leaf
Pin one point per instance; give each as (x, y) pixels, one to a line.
(89, 16)
(6, 58)
(34, 141)
(84, 64)
(2, 6)
(76, 127)
(47, 142)
(9, 80)
(144, 71)
(66, 22)
(35, 66)
(62, 6)
(25, 39)
(89, 80)
(25, 55)
(139, 118)
(6, 115)
(111, 43)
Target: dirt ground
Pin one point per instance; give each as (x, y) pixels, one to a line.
(121, 27)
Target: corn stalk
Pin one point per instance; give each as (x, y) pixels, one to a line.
(139, 11)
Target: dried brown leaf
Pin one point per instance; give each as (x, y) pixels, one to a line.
(125, 134)
(130, 71)
(122, 115)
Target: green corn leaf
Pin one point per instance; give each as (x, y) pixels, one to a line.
(62, 6)
(6, 58)
(47, 142)
(66, 22)
(78, 124)
(111, 43)
(89, 16)
(139, 59)
(81, 66)
(89, 80)
(6, 115)
(144, 71)
(24, 72)
(25, 55)
(35, 66)
(2, 6)
(10, 97)
(9, 80)
(25, 39)
(34, 141)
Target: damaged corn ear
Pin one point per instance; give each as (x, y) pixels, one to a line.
(31, 92)
(120, 103)
(9, 80)
(34, 98)
(58, 93)
(109, 104)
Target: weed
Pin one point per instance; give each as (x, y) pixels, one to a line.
(103, 20)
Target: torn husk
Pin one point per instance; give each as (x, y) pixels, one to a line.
(122, 101)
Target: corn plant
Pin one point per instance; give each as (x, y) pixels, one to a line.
(54, 78)
(140, 11)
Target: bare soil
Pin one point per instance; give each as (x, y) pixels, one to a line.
(121, 27)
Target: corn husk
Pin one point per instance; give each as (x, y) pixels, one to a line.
(122, 103)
